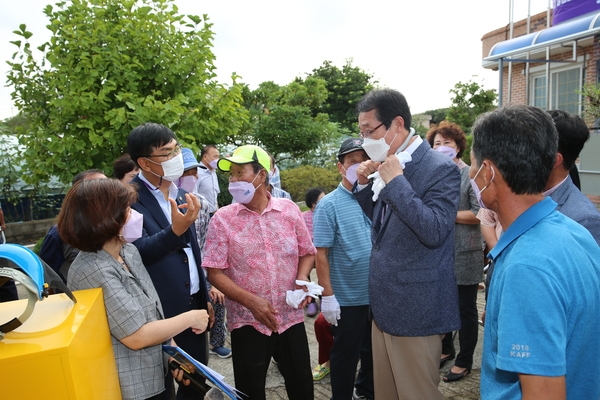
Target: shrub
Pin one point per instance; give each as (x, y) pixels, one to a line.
(298, 180)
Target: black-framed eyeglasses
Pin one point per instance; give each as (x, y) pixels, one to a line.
(369, 134)
(170, 154)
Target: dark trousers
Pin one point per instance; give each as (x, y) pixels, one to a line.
(197, 347)
(252, 353)
(351, 342)
(467, 335)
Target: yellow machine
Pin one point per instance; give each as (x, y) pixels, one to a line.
(54, 346)
(63, 351)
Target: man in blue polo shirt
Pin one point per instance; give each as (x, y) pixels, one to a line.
(543, 307)
(343, 241)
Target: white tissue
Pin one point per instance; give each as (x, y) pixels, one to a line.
(378, 183)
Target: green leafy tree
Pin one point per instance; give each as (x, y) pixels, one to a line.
(109, 66)
(224, 198)
(282, 118)
(323, 155)
(591, 102)
(9, 168)
(345, 88)
(469, 100)
(437, 115)
(29, 201)
(466, 157)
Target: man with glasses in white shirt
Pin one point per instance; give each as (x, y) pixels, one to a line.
(169, 247)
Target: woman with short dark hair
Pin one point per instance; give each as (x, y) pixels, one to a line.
(97, 219)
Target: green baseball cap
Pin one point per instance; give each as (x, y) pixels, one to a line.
(245, 155)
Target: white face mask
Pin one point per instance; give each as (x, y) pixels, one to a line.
(377, 149)
(213, 163)
(172, 169)
(188, 183)
(132, 230)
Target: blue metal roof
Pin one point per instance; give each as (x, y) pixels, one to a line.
(567, 31)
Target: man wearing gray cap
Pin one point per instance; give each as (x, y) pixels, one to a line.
(342, 238)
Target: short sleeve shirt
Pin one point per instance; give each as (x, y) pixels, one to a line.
(308, 220)
(543, 308)
(260, 254)
(340, 225)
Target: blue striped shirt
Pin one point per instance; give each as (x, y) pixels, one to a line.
(340, 225)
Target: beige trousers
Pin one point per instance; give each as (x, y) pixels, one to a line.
(406, 368)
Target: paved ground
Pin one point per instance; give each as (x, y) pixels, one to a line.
(467, 388)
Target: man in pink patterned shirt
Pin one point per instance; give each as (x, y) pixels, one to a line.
(255, 250)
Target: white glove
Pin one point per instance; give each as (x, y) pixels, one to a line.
(331, 309)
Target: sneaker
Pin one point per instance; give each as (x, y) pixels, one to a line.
(221, 352)
(312, 309)
(320, 372)
(356, 396)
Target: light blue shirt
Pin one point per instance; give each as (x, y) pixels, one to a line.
(165, 206)
(340, 225)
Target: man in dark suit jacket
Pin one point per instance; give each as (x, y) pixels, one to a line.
(169, 247)
(572, 135)
(412, 286)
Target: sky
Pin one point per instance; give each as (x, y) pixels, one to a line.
(421, 48)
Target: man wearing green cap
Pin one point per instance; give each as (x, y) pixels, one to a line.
(255, 250)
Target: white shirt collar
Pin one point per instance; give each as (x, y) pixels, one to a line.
(413, 146)
(172, 188)
(553, 189)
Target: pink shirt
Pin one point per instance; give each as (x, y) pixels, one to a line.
(260, 254)
(308, 220)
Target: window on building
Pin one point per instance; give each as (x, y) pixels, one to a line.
(564, 87)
